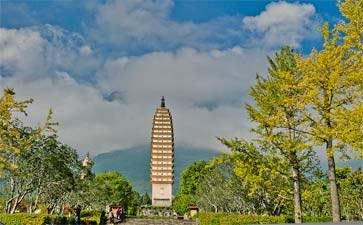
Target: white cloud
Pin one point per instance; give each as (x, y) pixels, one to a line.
(205, 91)
(20, 50)
(146, 25)
(282, 23)
(35, 52)
(205, 87)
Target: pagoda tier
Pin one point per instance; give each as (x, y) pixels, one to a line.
(162, 157)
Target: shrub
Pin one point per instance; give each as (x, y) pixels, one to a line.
(91, 216)
(236, 219)
(35, 219)
(315, 219)
(22, 218)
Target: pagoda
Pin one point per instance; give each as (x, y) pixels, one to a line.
(162, 157)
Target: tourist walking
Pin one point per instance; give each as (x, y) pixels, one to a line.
(77, 219)
(111, 217)
(118, 213)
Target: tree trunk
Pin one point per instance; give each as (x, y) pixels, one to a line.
(333, 184)
(15, 204)
(297, 196)
(8, 205)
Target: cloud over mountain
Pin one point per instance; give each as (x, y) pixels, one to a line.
(106, 99)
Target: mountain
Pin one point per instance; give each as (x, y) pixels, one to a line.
(134, 164)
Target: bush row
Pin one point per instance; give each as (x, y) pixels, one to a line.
(41, 219)
(237, 219)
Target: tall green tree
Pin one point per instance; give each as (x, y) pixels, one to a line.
(105, 189)
(278, 113)
(45, 173)
(221, 190)
(191, 177)
(58, 172)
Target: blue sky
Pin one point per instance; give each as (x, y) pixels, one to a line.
(103, 65)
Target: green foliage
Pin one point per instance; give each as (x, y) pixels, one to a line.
(316, 198)
(264, 176)
(35, 219)
(350, 185)
(192, 176)
(316, 219)
(221, 190)
(236, 219)
(278, 112)
(22, 218)
(133, 203)
(106, 189)
(46, 172)
(145, 199)
(181, 203)
(12, 138)
(92, 216)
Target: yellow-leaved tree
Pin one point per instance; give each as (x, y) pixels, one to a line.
(12, 133)
(333, 80)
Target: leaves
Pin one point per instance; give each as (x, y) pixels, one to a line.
(13, 137)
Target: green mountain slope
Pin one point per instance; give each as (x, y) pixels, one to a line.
(134, 164)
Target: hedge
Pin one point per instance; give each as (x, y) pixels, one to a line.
(314, 219)
(22, 218)
(237, 219)
(42, 219)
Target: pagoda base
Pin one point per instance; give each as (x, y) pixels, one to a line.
(161, 194)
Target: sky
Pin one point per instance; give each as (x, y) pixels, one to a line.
(102, 66)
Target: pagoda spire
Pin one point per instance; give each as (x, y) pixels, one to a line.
(162, 102)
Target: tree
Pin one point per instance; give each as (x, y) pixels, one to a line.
(145, 199)
(315, 196)
(278, 113)
(105, 189)
(191, 177)
(333, 80)
(46, 172)
(221, 190)
(351, 191)
(264, 176)
(11, 139)
(57, 173)
(9, 133)
(181, 203)
(352, 10)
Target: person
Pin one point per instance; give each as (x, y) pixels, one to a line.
(103, 218)
(118, 213)
(78, 215)
(111, 217)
